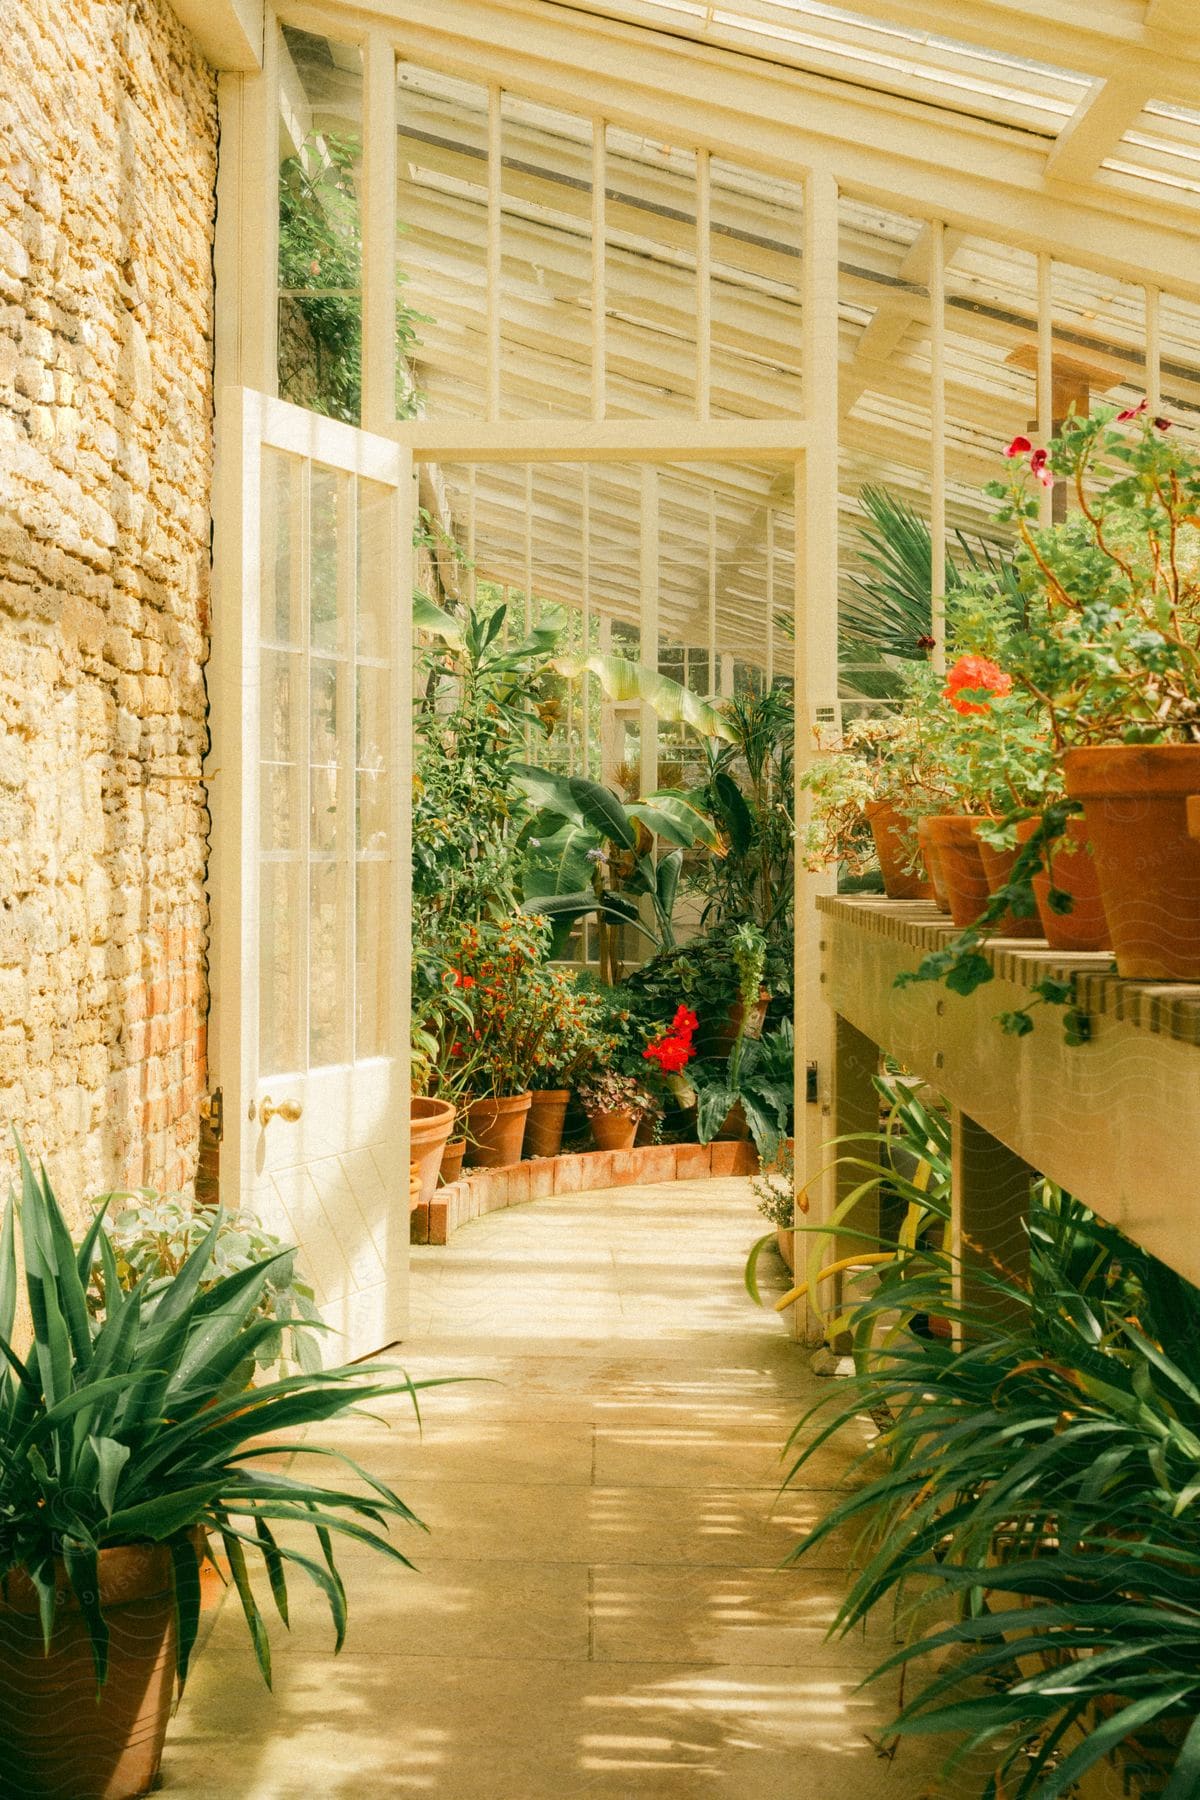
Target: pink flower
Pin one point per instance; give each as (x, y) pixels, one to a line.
(1162, 424)
(1019, 447)
(974, 675)
(1132, 412)
(1039, 462)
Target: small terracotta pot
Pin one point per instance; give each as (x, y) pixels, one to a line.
(1073, 871)
(956, 849)
(1135, 812)
(452, 1161)
(432, 1123)
(62, 1741)
(544, 1126)
(717, 1039)
(895, 842)
(998, 867)
(735, 1129)
(932, 862)
(495, 1129)
(614, 1130)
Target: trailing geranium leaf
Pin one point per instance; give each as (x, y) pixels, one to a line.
(1016, 1024)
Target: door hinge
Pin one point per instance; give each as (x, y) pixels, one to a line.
(212, 1111)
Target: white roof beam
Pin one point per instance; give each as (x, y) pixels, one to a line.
(1097, 126)
(973, 176)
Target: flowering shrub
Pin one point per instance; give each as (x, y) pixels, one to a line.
(676, 1047)
(495, 967)
(977, 676)
(572, 1030)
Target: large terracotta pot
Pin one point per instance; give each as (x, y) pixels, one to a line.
(1073, 871)
(716, 1038)
(544, 1125)
(998, 866)
(933, 864)
(960, 865)
(452, 1161)
(432, 1123)
(1135, 811)
(60, 1740)
(495, 1129)
(895, 842)
(614, 1130)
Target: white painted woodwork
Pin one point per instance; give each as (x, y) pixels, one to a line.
(228, 33)
(334, 1181)
(1097, 127)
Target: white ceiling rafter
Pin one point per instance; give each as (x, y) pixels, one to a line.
(894, 152)
(1097, 126)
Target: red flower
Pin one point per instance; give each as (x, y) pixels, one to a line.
(1039, 463)
(1162, 424)
(685, 1023)
(1132, 412)
(1019, 447)
(671, 1054)
(464, 981)
(974, 675)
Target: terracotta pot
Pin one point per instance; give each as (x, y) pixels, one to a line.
(432, 1123)
(735, 1129)
(998, 867)
(614, 1130)
(452, 1161)
(717, 1039)
(1135, 812)
(1073, 871)
(894, 845)
(61, 1741)
(961, 866)
(495, 1129)
(544, 1126)
(645, 1132)
(933, 863)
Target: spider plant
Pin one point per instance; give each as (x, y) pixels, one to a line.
(138, 1428)
(1032, 1509)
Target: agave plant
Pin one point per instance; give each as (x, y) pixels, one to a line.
(1032, 1514)
(139, 1428)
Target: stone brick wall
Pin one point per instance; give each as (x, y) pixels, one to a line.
(108, 139)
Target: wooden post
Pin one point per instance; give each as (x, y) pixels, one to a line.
(703, 289)
(854, 1108)
(379, 237)
(989, 1214)
(495, 286)
(1045, 375)
(937, 437)
(599, 252)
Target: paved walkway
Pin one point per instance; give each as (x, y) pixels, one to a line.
(599, 1609)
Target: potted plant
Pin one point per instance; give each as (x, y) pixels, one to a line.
(759, 1079)
(775, 1190)
(152, 1236)
(127, 1438)
(856, 787)
(497, 966)
(1112, 641)
(615, 1104)
(571, 1040)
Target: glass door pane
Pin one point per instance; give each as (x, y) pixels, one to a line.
(326, 759)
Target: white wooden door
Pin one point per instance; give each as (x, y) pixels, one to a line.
(311, 789)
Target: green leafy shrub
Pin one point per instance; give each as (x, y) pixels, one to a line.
(139, 1428)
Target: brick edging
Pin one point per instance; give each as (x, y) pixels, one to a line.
(487, 1190)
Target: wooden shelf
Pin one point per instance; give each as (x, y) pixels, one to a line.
(1115, 1121)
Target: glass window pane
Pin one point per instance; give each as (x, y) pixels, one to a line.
(280, 971)
(280, 599)
(320, 232)
(331, 547)
(373, 973)
(329, 972)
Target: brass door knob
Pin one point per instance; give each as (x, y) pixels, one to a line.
(287, 1109)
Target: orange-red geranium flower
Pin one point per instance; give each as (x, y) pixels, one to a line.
(974, 675)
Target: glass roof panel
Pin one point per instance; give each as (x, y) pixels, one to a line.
(836, 42)
(1161, 149)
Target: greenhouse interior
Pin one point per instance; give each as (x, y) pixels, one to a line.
(600, 937)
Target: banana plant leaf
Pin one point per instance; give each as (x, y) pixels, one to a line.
(622, 679)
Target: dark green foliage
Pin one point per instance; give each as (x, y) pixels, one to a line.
(138, 1427)
(1031, 1509)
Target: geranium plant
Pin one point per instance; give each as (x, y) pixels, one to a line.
(496, 968)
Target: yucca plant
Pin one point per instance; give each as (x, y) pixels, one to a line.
(139, 1428)
(1032, 1513)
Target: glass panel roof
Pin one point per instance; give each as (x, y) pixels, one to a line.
(835, 42)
